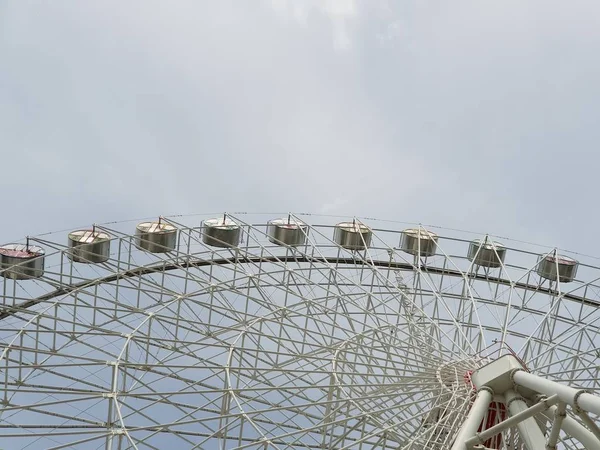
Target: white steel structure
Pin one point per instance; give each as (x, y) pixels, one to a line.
(295, 332)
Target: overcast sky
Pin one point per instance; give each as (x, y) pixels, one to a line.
(466, 114)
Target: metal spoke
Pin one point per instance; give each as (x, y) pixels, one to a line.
(224, 338)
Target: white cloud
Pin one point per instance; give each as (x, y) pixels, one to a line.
(341, 14)
(469, 116)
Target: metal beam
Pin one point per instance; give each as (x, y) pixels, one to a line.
(513, 420)
(577, 398)
(8, 311)
(575, 429)
(529, 431)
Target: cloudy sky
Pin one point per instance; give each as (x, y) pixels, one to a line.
(474, 115)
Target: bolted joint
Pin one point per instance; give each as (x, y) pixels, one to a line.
(576, 406)
(512, 375)
(488, 389)
(514, 399)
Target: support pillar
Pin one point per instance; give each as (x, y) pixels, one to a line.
(575, 429)
(529, 431)
(474, 418)
(577, 398)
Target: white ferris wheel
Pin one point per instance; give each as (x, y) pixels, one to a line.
(295, 332)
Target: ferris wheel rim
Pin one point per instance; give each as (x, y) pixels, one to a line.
(332, 263)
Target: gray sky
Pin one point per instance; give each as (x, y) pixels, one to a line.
(474, 115)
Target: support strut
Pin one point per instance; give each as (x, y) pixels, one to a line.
(529, 431)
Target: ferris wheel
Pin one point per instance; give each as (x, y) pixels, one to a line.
(295, 331)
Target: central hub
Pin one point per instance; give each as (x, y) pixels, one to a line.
(496, 375)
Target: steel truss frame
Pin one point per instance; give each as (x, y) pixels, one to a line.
(264, 346)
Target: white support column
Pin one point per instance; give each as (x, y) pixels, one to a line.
(559, 415)
(576, 430)
(474, 418)
(529, 431)
(577, 398)
(511, 421)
